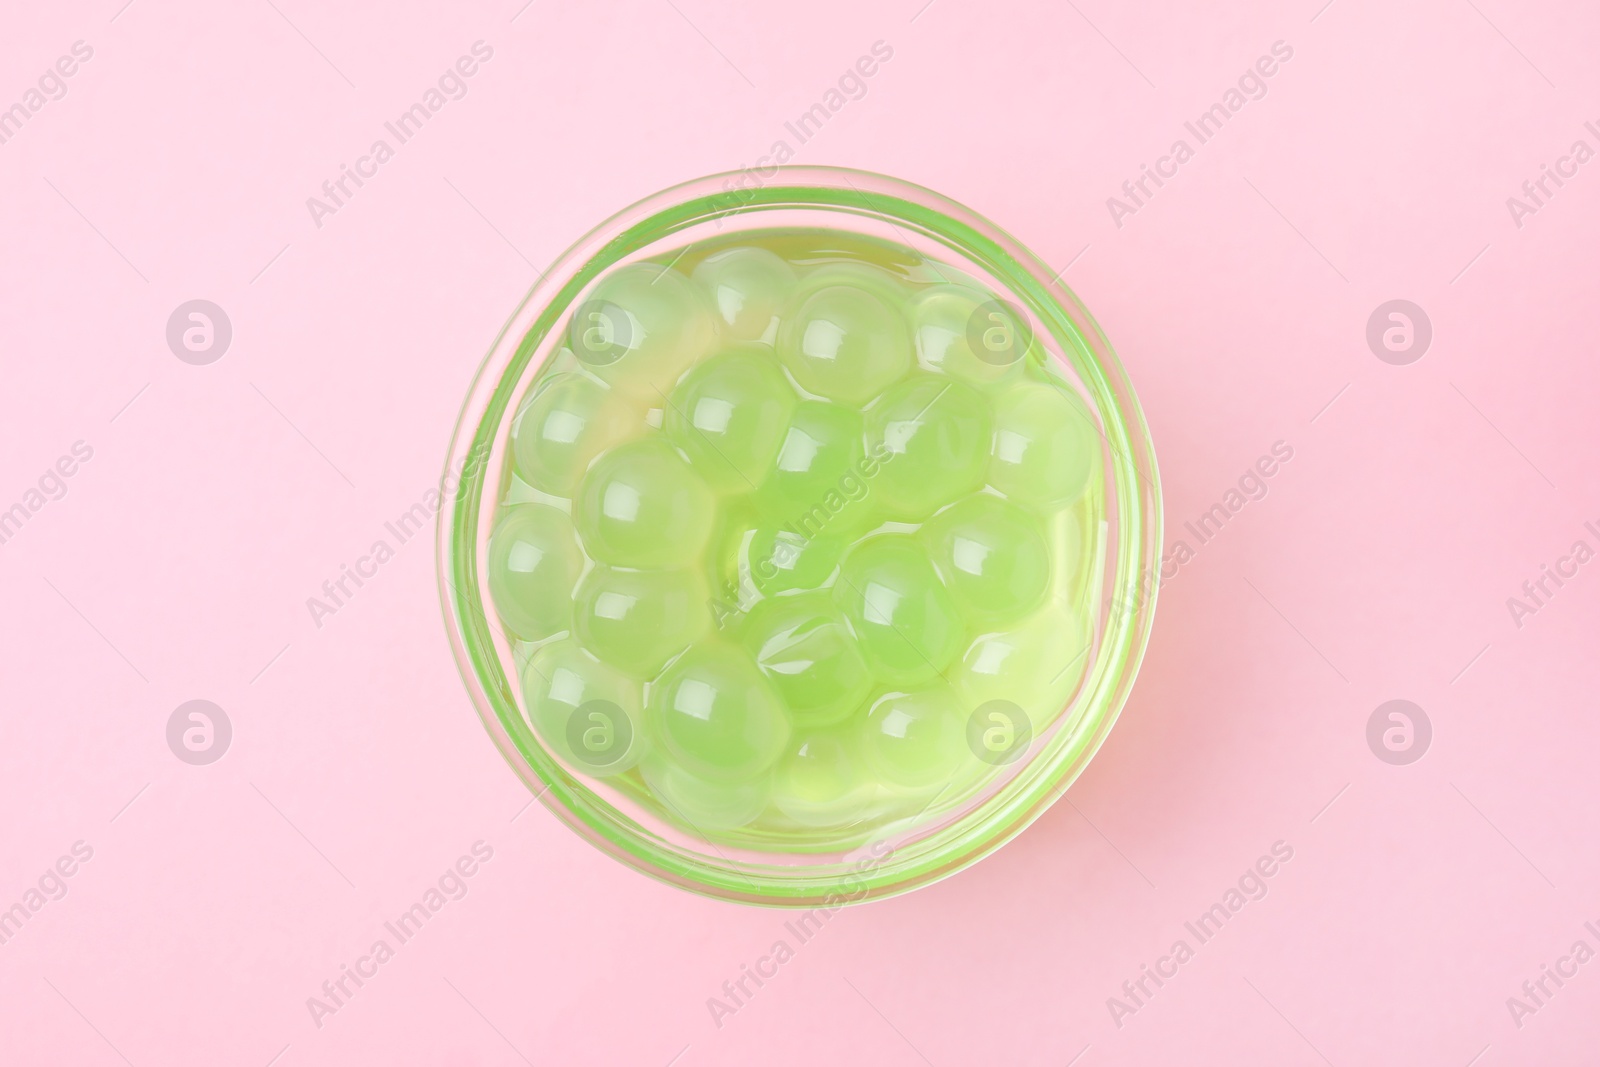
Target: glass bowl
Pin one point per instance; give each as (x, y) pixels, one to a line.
(913, 850)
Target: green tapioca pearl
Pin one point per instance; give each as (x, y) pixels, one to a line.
(821, 442)
(992, 556)
(640, 505)
(749, 289)
(569, 421)
(534, 562)
(1046, 447)
(716, 716)
(1070, 554)
(845, 344)
(590, 713)
(641, 328)
(819, 780)
(562, 361)
(781, 560)
(933, 435)
(909, 627)
(807, 652)
(725, 551)
(887, 286)
(946, 321)
(1035, 665)
(729, 416)
(704, 805)
(821, 478)
(638, 620)
(915, 741)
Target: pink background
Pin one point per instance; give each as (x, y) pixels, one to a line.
(177, 566)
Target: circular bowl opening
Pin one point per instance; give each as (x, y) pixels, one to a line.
(1117, 531)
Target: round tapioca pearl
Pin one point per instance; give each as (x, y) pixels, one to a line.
(736, 521)
(641, 328)
(991, 556)
(1036, 666)
(1046, 446)
(562, 361)
(638, 620)
(557, 366)
(703, 805)
(947, 319)
(589, 713)
(802, 645)
(821, 479)
(819, 780)
(915, 741)
(845, 344)
(1044, 369)
(640, 505)
(1071, 557)
(715, 714)
(933, 436)
(534, 562)
(781, 560)
(562, 427)
(889, 287)
(907, 624)
(749, 289)
(729, 416)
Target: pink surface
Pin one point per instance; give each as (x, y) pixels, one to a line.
(218, 498)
